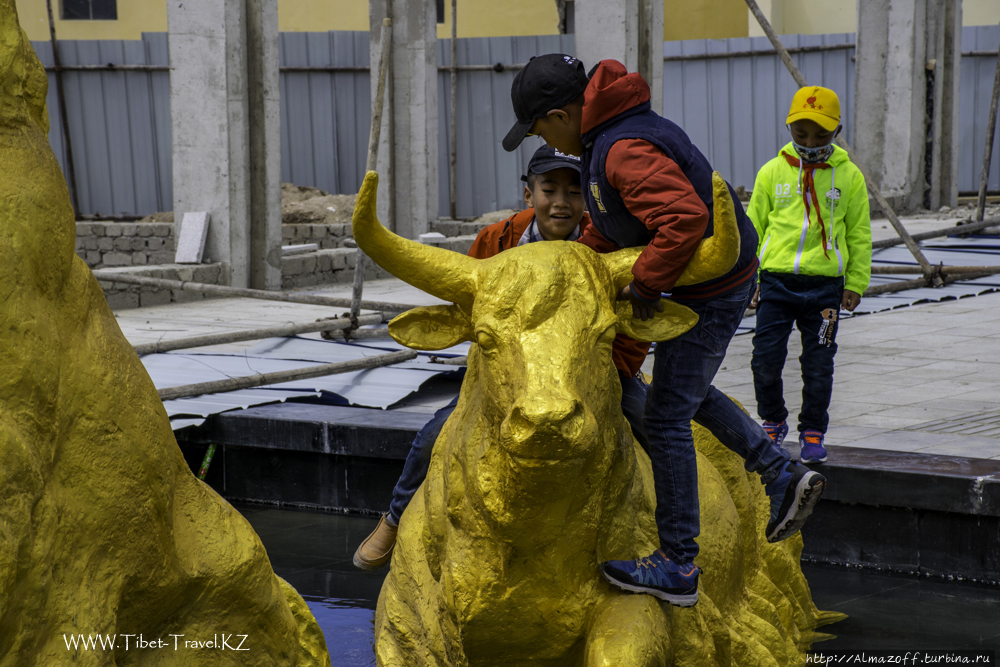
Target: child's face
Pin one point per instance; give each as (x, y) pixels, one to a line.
(810, 134)
(558, 202)
(560, 129)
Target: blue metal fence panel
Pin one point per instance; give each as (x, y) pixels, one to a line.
(976, 85)
(488, 176)
(733, 108)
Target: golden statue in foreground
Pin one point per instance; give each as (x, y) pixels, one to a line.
(103, 528)
(536, 479)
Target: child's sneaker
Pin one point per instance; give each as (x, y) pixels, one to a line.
(776, 431)
(811, 442)
(794, 494)
(656, 575)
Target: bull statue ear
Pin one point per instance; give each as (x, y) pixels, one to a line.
(431, 327)
(671, 323)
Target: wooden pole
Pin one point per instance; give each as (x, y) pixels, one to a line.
(374, 136)
(241, 292)
(903, 285)
(254, 334)
(957, 230)
(262, 379)
(453, 125)
(61, 100)
(943, 270)
(991, 125)
(872, 190)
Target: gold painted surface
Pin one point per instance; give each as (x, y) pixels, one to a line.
(536, 479)
(103, 528)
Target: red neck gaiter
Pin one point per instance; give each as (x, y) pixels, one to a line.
(808, 188)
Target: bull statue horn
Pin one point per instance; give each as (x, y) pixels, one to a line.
(442, 273)
(714, 256)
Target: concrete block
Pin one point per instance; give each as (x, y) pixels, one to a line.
(120, 299)
(446, 227)
(111, 229)
(82, 229)
(154, 297)
(324, 263)
(161, 257)
(431, 238)
(93, 258)
(309, 263)
(97, 229)
(116, 259)
(154, 244)
(90, 243)
(338, 260)
(136, 243)
(138, 258)
(291, 266)
(105, 243)
(129, 229)
(122, 243)
(191, 238)
(144, 230)
(162, 228)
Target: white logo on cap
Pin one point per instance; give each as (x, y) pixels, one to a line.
(568, 157)
(569, 59)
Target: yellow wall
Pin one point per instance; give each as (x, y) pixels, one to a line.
(684, 19)
(815, 17)
(980, 12)
(706, 19)
(134, 18)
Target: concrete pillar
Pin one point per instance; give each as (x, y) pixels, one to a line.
(774, 10)
(408, 152)
(630, 31)
(902, 47)
(225, 131)
(944, 53)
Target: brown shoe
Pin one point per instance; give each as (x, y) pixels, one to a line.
(376, 550)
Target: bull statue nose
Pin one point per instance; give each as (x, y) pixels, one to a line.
(546, 417)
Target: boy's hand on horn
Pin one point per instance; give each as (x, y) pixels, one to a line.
(641, 309)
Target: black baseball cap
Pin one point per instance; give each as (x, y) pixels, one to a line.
(548, 159)
(547, 82)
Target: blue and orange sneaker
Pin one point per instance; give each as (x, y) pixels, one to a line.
(776, 431)
(656, 575)
(794, 494)
(811, 442)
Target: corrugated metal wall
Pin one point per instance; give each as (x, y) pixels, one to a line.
(733, 108)
(976, 84)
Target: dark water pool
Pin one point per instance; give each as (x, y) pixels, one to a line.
(313, 551)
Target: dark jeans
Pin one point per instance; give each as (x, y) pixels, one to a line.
(682, 391)
(786, 300)
(418, 459)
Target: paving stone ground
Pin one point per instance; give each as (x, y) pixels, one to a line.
(925, 378)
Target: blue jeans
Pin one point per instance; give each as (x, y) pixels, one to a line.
(418, 459)
(787, 300)
(681, 391)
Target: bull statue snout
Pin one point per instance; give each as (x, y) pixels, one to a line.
(545, 427)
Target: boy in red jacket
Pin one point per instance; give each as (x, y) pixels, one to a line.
(647, 185)
(554, 213)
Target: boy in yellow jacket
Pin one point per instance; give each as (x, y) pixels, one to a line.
(810, 208)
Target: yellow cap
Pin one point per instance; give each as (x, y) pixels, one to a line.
(816, 104)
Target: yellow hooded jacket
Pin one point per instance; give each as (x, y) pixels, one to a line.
(789, 243)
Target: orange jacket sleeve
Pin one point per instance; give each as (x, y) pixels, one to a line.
(657, 192)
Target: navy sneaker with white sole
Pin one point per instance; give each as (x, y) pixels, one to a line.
(655, 575)
(794, 494)
(776, 431)
(811, 442)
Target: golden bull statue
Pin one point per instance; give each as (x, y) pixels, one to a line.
(104, 531)
(536, 479)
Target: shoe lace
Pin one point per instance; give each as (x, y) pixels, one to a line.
(812, 438)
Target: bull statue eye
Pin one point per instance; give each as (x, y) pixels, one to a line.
(485, 341)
